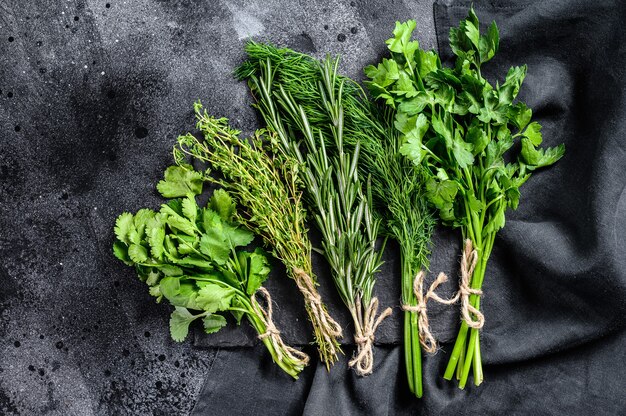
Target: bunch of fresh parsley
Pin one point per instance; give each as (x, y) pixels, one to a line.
(192, 257)
(461, 131)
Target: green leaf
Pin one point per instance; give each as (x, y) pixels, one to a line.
(180, 320)
(181, 224)
(170, 270)
(156, 292)
(152, 278)
(213, 323)
(237, 236)
(257, 269)
(236, 303)
(404, 85)
(415, 104)
(383, 75)
(533, 133)
(414, 129)
(179, 292)
(427, 62)
(141, 220)
(495, 223)
(138, 253)
(478, 138)
(401, 36)
(180, 181)
(471, 31)
(215, 247)
(190, 208)
(462, 151)
(156, 239)
(475, 204)
(538, 158)
(509, 90)
(519, 115)
(442, 194)
(214, 298)
(489, 43)
(123, 224)
(120, 250)
(223, 204)
(195, 261)
(441, 127)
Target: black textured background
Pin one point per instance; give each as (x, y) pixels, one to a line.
(92, 95)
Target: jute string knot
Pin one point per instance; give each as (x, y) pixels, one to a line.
(468, 263)
(366, 324)
(271, 332)
(426, 337)
(317, 312)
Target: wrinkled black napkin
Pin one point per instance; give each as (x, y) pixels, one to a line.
(555, 289)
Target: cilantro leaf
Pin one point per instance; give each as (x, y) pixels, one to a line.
(120, 250)
(180, 320)
(223, 204)
(181, 224)
(256, 269)
(214, 298)
(179, 292)
(138, 253)
(213, 323)
(190, 208)
(123, 224)
(214, 245)
(180, 181)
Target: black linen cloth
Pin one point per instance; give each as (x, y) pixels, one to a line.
(555, 287)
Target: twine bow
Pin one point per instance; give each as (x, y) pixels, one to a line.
(271, 332)
(366, 325)
(468, 263)
(317, 310)
(426, 337)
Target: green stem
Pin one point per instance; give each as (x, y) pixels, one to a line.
(412, 348)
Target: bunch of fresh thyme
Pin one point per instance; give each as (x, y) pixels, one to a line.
(265, 182)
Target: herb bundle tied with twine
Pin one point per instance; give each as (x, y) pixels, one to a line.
(265, 182)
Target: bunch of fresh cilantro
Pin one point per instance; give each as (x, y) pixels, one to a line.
(192, 257)
(461, 130)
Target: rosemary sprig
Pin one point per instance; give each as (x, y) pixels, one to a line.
(265, 181)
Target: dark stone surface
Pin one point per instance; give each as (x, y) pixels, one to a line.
(92, 95)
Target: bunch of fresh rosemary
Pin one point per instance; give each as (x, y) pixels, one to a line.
(396, 183)
(265, 181)
(343, 212)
